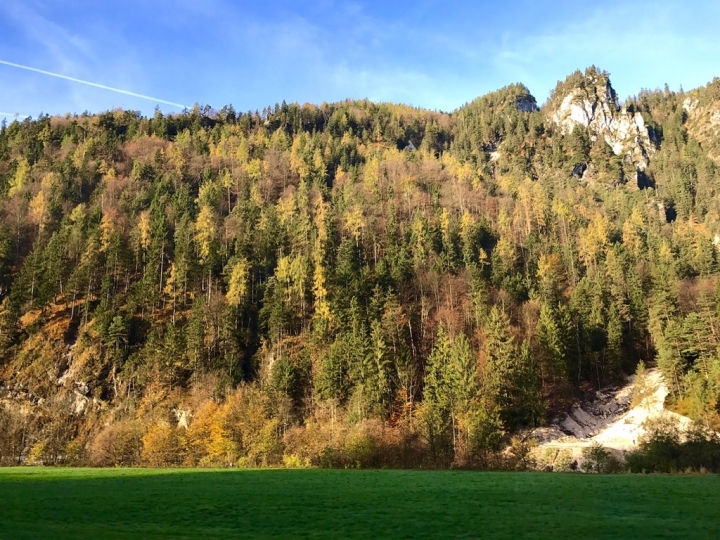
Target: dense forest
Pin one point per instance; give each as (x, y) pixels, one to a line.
(350, 284)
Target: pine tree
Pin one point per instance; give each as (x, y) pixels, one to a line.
(552, 348)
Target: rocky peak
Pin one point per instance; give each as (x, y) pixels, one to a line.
(589, 101)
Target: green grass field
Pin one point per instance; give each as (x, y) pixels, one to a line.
(145, 503)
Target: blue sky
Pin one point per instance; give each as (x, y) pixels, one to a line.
(434, 54)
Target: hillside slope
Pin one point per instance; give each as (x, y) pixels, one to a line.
(351, 284)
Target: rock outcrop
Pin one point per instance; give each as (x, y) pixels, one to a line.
(526, 104)
(702, 107)
(610, 420)
(593, 105)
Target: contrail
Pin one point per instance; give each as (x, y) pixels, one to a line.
(96, 85)
(13, 114)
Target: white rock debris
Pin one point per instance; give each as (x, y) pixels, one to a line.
(608, 420)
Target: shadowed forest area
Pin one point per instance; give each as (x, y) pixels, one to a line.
(353, 284)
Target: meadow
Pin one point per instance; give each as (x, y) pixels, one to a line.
(165, 503)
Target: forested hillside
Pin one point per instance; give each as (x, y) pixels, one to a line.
(352, 284)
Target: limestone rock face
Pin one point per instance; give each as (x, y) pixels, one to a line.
(628, 135)
(595, 107)
(703, 120)
(610, 419)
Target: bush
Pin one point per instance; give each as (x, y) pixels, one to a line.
(36, 453)
(436, 430)
(293, 461)
(161, 446)
(310, 443)
(118, 444)
(553, 459)
(241, 432)
(360, 450)
(600, 460)
(251, 425)
(665, 449)
(75, 453)
(12, 435)
(522, 455)
(196, 439)
(701, 450)
(485, 434)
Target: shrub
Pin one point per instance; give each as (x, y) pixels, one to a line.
(293, 461)
(75, 452)
(522, 454)
(36, 453)
(197, 437)
(310, 443)
(116, 445)
(553, 459)
(161, 446)
(12, 435)
(485, 434)
(436, 430)
(360, 450)
(251, 425)
(600, 460)
(665, 449)
(701, 450)
(242, 432)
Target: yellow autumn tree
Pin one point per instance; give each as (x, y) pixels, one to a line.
(237, 285)
(322, 307)
(144, 228)
(355, 223)
(255, 169)
(177, 158)
(593, 240)
(173, 286)
(298, 159)
(38, 210)
(82, 152)
(161, 446)
(550, 273)
(633, 233)
(286, 209)
(205, 230)
(280, 139)
(243, 150)
(107, 230)
(197, 436)
(371, 174)
(20, 177)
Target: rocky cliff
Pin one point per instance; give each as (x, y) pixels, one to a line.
(702, 107)
(591, 102)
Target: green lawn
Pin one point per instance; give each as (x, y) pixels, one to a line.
(146, 503)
